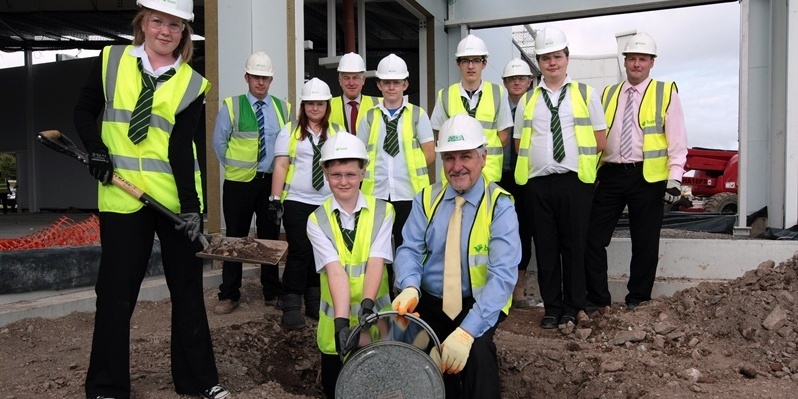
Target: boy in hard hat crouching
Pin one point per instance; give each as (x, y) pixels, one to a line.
(351, 237)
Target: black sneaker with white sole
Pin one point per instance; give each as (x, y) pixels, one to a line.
(215, 392)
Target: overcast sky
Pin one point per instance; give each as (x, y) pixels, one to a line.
(698, 48)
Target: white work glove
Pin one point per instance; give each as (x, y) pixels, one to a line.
(673, 191)
(455, 350)
(406, 301)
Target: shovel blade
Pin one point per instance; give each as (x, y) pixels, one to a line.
(244, 250)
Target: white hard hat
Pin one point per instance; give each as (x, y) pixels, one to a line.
(343, 146)
(315, 90)
(459, 133)
(259, 64)
(641, 43)
(179, 8)
(392, 67)
(516, 67)
(471, 46)
(549, 40)
(351, 62)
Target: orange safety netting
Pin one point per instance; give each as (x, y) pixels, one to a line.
(63, 232)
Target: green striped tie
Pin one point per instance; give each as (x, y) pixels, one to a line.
(140, 119)
(391, 144)
(556, 128)
(317, 179)
(471, 112)
(348, 235)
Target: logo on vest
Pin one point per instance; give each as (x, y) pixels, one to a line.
(481, 248)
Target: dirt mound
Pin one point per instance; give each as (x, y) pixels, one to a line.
(733, 339)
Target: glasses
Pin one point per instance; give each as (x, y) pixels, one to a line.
(158, 24)
(516, 78)
(341, 176)
(471, 60)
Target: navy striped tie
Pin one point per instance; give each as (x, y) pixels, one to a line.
(261, 130)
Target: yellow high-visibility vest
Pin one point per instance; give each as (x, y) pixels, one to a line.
(293, 141)
(479, 237)
(414, 156)
(338, 110)
(585, 135)
(653, 109)
(354, 263)
(145, 165)
(486, 113)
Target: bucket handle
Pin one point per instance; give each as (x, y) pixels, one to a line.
(351, 341)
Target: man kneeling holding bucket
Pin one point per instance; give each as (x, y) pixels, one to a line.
(457, 265)
(351, 237)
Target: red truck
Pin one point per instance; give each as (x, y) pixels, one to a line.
(712, 187)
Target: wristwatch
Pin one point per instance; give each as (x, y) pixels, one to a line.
(274, 198)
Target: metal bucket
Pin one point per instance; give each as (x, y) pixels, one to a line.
(395, 364)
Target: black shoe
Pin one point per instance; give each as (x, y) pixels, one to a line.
(548, 322)
(567, 318)
(630, 306)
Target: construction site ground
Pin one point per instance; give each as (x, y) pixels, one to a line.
(726, 340)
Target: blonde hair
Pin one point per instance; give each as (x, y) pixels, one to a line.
(186, 47)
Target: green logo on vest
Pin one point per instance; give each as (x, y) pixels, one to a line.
(481, 248)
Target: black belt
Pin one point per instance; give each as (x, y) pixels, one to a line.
(631, 165)
(262, 175)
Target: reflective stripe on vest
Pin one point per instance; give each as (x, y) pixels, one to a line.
(241, 157)
(354, 263)
(651, 117)
(145, 165)
(479, 236)
(293, 141)
(338, 110)
(414, 156)
(585, 136)
(487, 114)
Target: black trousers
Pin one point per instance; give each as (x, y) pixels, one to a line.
(560, 206)
(330, 369)
(620, 187)
(300, 267)
(126, 246)
(240, 200)
(524, 217)
(480, 377)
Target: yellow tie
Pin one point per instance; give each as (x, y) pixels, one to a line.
(452, 280)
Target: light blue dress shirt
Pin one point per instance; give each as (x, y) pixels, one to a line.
(419, 261)
(223, 129)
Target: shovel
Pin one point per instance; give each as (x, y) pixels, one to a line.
(271, 250)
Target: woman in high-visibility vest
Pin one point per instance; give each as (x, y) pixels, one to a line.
(151, 102)
(298, 180)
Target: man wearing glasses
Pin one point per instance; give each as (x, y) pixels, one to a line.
(517, 78)
(348, 109)
(479, 99)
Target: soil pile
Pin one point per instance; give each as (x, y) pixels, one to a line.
(734, 339)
